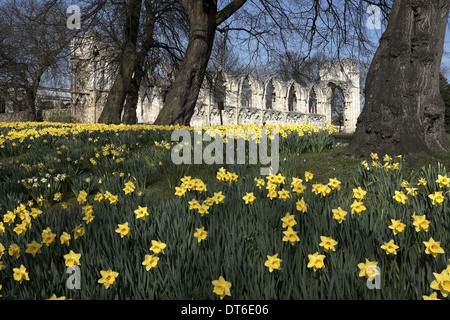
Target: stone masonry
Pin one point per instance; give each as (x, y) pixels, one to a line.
(246, 100)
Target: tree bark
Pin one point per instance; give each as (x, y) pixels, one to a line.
(112, 111)
(404, 112)
(132, 95)
(31, 93)
(182, 97)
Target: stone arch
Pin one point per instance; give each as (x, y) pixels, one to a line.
(245, 93)
(269, 94)
(345, 75)
(91, 80)
(302, 99)
(47, 105)
(278, 95)
(338, 101)
(232, 90)
(312, 100)
(292, 98)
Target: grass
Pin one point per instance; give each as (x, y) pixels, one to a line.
(426, 160)
(240, 236)
(344, 165)
(322, 165)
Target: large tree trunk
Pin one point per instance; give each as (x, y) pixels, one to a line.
(31, 94)
(404, 111)
(132, 96)
(181, 98)
(131, 101)
(112, 112)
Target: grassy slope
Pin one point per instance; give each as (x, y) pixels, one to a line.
(425, 160)
(323, 165)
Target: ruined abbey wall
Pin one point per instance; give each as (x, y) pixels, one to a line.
(245, 99)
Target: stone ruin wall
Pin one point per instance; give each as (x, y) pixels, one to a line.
(50, 103)
(267, 101)
(91, 76)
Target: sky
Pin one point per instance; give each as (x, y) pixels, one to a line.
(446, 56)
(245, 53)
(376, 34)
(445, 63)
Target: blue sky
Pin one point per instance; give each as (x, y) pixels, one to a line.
(445, 64)
(446, 56)
(295, 44)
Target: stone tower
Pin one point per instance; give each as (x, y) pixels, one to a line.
(92, 75)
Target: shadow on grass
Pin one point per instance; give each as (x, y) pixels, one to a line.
(324, 165)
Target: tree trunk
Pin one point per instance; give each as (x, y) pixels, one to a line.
(132, 96)
(31, 104)
(182, 97)
(404, 112)
(129, 109)
(112, 112)
(31, 93)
